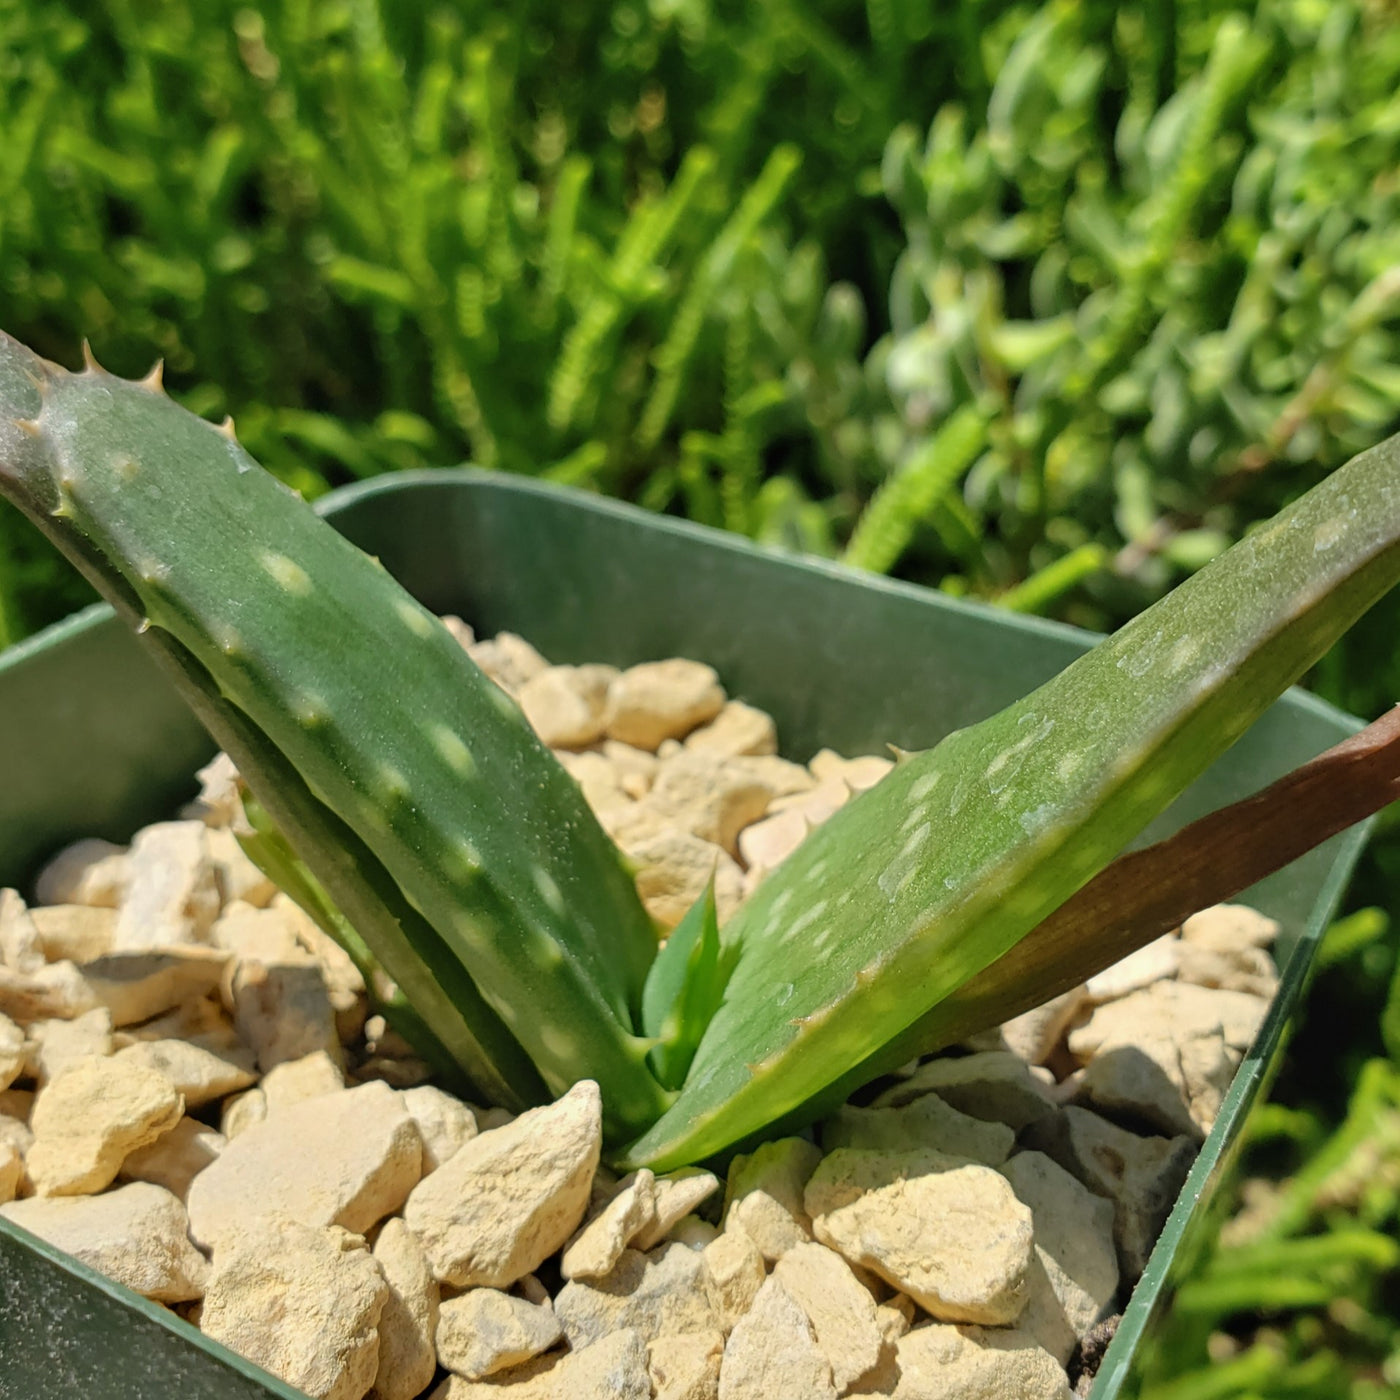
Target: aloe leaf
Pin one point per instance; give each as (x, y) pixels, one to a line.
(684, 988)
(1144, 894)
(441, 991)
(1147, 893)
(919, 884)
(479, 1043)
(377, 717)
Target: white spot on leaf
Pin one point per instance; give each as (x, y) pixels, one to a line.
(1069, 765)
(1327, 534)
(452, 750)
(414, 618)
(390, 784)
(288, 573)
(1138, 662)
(1037, 819)
(925, 785)
(468, 858)
(310, 710)
(1182, 654)
(1004, 767)
(549, 891)
(805, 921)
(503, 704)
(916, 840)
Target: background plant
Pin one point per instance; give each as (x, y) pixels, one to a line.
(1297, 1298)
(547, 242)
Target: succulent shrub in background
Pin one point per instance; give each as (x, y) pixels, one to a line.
(499, 207)
(1149, 292)
(469, 866)
(1117, 289)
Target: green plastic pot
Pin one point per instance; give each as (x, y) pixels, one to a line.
(92, 742)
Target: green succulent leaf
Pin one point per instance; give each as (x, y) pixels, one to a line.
(684, 988)
(1150, 892)
(919, 884)
(442, 993)
(373, 740)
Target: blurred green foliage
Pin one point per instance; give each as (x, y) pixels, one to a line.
(1160, 272)
(1043, 303)
(589, 241)
(1300, 1297)
(1121, 280)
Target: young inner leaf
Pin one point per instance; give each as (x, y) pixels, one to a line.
(684, 987)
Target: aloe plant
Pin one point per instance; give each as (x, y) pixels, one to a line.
(447, 846)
